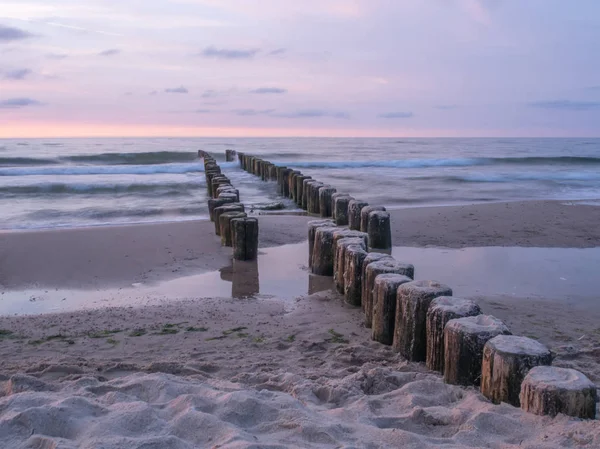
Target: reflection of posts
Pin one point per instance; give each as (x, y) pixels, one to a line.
(318, 284)
(244, 280)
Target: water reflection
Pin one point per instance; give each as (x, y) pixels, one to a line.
(243, 276)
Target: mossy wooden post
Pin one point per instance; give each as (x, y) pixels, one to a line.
(364, 216)
(312, 229)
(441, 310)
(384, 306)
(338, 253)
(245, 238)
(228, 188)
(217, 181)
(339, 250)
(549, 390)
(354, 209)
(506, 361)
(313, 199)
(300, 188)
(322, 256)
(225, 225)
(214, 203)
(413, 300)
(380, 230)
(354, 255)
(218, 211)
(340, 209)
(374, 269)
(371, 257)
(464, 339)
(325, 194)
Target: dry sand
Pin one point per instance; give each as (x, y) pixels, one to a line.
(268, 373)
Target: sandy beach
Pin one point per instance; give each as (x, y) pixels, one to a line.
(266, 372)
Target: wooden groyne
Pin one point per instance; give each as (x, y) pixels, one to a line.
(421, 319)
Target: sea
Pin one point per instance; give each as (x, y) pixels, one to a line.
(51, 183)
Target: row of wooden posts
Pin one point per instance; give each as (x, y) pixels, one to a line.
(421, 319)
(232, 223)
(322, 199)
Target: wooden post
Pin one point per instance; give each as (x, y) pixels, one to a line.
(441, 310)
(414, 299)
(464, 339)
(313, 199)
(548, 390)
(374, 269)
(506, 361)
(325, 194)
(312, 229)
(379, 230)
(218, 211)
(371, 257)
(300, 188)
(340, 209)
(229, 155)
(214, 203)
(354, 210)
(285, 188)
(339, 262)
(245, 238)
(364, 216)
(322, 256)
(384, 306)
(354, 255)
(338, 254)
(292, 183)
(305, 192)
(225, 225)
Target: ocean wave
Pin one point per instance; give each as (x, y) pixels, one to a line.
(145, 158)
(103, 169)
(450, 162)
(19, 161)
(513, 177)
(57, 188)
(106, 213)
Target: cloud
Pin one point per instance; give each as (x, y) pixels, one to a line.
(446, 107)
(567, 105)
(9, 34)
(228, 53)
(17, 74)
(396, 115)
(252, 112)
(14, 103)
(204, 111)
(57, 56)
(110, 52)
(313, 113)
(268, 90)
(277, 52)
(177, 90)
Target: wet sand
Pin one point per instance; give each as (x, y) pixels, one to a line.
(273, 371)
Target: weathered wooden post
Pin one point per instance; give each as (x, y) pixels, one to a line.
(506, 361)
(371, 257)
(280, 171)
(364, 216)
(374, 269)
(340, 246)
(354, 209)
(414, 298)
(294, 184)
(273, 173)
(245, 238)
(228, 188)
(229, 155)
(338, 253)
(380, 230)
(322, 256)
(325, 194)
(340, 208)
(305, 192)
(354, 255)
(225, 225)
(384, 306)
(214, 203)
(312, 229)
(464, 339)
(300, 188)
(286, 182)
(441, 310)
(313, 199)
(548, 390)
(218, 211)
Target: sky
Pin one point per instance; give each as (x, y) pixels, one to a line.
(355, 68)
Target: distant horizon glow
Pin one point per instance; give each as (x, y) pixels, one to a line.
(281, 68)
